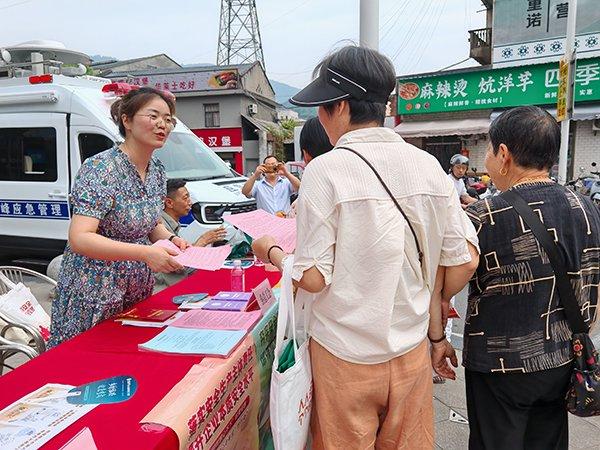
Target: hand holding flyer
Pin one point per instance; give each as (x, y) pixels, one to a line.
(260, 223)
(203, 258)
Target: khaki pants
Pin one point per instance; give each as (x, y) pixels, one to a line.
(366, 406)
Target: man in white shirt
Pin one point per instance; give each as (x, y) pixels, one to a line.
(459, 164)
(273, 189)
(371, 269)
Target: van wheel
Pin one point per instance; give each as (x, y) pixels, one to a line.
(54, 267)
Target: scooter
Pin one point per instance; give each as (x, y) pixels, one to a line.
(587, 184)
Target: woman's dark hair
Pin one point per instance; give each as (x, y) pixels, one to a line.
(368, 67)
(531, 135)
(313, 138)
(135, 100)
(173, 185)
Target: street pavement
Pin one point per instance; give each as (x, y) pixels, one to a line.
(449, 399)
(450, 409)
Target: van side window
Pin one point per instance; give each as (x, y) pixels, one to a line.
(28, 154)
(91, 144)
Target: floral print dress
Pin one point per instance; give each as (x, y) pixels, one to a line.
(108, 188)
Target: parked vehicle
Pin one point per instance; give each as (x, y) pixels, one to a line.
(49, 124)
(587, 183)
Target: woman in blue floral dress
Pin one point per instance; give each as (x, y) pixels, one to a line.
(116, 202)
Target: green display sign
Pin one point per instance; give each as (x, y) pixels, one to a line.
(495, 88)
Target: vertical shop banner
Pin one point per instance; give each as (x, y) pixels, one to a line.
(495, 88)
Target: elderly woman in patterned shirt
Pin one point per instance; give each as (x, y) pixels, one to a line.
(517, 351)
(117, 199)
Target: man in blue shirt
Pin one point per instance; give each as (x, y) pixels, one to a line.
(273, 190)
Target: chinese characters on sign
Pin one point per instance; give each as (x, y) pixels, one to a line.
(34, 210)
(221, 139)
(184, 82)
(495, 88)
(563, 87)
(533, 31)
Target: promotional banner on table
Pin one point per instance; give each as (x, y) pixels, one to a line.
(224, 403)
(495, 88)
(216, 404)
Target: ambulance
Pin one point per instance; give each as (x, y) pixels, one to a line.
(52, 118)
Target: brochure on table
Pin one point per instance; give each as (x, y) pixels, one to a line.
(36, 418)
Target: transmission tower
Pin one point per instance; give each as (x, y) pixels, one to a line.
(239, 35)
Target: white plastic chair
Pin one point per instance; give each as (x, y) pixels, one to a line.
(36, 345)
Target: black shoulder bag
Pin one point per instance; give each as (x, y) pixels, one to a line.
(412, 230)
(583, 397)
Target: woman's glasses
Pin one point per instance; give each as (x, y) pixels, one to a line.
(154, 119)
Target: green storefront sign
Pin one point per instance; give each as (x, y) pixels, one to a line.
(495, 88)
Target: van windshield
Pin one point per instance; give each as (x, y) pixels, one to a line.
(185, 156)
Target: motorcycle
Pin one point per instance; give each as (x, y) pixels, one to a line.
(478, 189)
(587, 184)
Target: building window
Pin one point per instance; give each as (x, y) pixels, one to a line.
(211, 115)
(28, 154)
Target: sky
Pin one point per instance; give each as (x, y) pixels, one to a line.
(418, 35)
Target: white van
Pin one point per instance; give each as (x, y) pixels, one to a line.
(49, 124)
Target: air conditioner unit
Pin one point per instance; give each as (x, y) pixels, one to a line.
(596, 125)
(253, 108)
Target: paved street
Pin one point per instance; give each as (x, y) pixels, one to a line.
(584, 434)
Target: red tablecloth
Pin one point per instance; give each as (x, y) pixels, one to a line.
(110, 349)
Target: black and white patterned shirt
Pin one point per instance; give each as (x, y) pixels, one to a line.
(515, 322)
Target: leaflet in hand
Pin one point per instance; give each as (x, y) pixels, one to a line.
(218, 320)
(188, 341)
(203, 258)
(260, 223)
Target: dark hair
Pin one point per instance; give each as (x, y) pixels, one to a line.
(173, 185)
(313, 138)
(368, 67)
(270, 156)
(531, 134)
(135, 100)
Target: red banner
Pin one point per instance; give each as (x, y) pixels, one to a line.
(221, 139)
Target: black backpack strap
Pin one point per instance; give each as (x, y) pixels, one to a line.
(539, 230)
(412, 230)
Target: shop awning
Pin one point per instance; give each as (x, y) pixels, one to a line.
(442, 128)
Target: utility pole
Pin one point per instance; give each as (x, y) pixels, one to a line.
(369, 24)
(565, 124)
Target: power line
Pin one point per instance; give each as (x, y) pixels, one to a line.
(16, 4)
(398, 15)
(287, 12)
(431, 32)
(411, 31)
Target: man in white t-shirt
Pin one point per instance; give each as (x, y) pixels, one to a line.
(459, 164)
(368, 271)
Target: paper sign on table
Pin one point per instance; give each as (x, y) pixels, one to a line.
(217, 320)
(33, 420)
(81, 441)
(195, 342)
(264, 295)
(204, 258)
(260, 223)
(109, 390)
